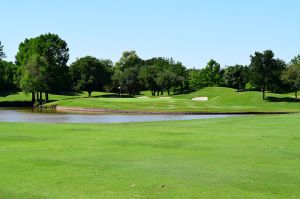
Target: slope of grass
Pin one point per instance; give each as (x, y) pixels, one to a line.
(246, 157)
(220, 100)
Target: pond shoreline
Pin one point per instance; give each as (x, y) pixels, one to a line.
(53, 116)
(142, 112)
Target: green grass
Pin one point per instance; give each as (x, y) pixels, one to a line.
(220, 100)
(245, 157)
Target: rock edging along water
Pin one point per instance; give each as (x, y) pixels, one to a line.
(141, 112)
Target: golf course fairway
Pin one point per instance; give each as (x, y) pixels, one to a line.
(239, 157)
(219, 100)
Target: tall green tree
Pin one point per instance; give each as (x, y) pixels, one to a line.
(148, 77)
(275, 82)
(265, 70)
(236, 77)
(129, 59)
(2, 54)
(195, 81)
(295, 60)
(90, 74)
(291, 75)
(180, 82)
(131, 81)
(34, 77)
(166, 80)
(8, 76)
(212, 74)
(126, 73)
(162, 74)
(55, 52)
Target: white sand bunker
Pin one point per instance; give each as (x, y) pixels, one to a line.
(143, 97)
(200, 99)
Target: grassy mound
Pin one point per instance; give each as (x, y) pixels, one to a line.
(219, 100)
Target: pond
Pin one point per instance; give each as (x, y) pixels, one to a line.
(32, 116)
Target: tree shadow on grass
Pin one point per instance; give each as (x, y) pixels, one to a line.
(16, 104)
(185, 92)
(7, 93)
(112, 95)
(68, 93)
(282, 99)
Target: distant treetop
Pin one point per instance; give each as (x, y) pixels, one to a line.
(2, 54)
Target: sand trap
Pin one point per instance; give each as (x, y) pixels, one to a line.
(143, 97)
(200, 99)
(165, 97)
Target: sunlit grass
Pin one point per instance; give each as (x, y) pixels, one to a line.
(246, 157)
(219, 100)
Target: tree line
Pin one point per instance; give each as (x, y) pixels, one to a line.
(40, 67)
(264, 73)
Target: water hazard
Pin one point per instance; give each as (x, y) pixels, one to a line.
(32, 116)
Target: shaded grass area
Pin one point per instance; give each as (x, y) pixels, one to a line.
(246, 157)
(282, 99)
(16, 104)
(20, 99)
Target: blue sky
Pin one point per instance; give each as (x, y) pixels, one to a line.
(191, 31)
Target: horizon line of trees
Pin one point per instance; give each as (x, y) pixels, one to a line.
(41, 68)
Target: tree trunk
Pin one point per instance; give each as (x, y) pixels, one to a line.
(41, 96)
(33, 97)
(90, 93)
(37, 96)
(168, 91)
(264, 92)
(296, 94)
(46, 97)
